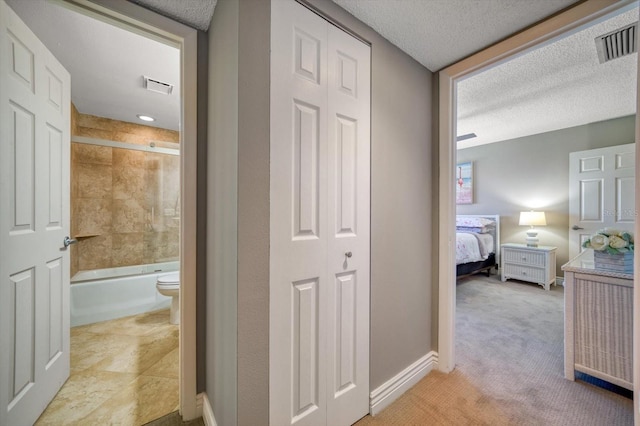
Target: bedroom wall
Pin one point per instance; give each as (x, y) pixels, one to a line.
(533, 173)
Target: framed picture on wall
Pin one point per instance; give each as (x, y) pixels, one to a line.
(464, 183)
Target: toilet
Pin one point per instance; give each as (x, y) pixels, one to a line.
(169, 285)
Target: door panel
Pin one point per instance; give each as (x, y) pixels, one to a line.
(34, 185)
(305, 170)
(601, 192)
(54, 290)
(345, 342)
(298, 274)
(319, 296)
(305, 357)
(349, 247)
(591, 198)
(56, 176)
(346, 167)
(22, 350)
(625, 204)
(22, 168)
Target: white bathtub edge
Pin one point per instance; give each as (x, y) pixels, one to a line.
(106, 299)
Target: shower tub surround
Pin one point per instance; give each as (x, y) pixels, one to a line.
(125, 203)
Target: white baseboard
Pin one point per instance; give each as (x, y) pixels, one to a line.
(560, 281)
(207, 411)
(384, 395)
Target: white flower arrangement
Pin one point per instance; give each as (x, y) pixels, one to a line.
(611, 240)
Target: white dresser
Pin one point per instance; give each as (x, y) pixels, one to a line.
(598, 322)
(532, 264)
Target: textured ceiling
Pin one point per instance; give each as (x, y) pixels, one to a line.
(438, 33)
(556, 86)
(194, 13)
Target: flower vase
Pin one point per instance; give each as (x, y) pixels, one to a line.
(619, 262)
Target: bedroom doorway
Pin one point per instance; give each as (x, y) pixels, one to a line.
(564, 23)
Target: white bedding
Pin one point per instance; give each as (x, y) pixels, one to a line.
(473, 247)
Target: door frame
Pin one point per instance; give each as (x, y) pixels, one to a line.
(145, 22)
(563, 23)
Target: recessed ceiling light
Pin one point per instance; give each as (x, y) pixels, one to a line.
(146, 118)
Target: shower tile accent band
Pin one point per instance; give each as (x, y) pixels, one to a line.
(124, 145)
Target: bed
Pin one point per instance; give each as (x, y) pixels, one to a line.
(477, 244)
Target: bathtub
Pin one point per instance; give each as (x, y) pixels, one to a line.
(104, 294)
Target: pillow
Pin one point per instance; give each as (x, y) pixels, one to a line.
(480, 225)
(476, 230)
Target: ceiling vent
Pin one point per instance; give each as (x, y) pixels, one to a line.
(617, 44)
(157, 86)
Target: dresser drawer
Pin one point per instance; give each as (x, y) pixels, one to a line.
(533, 264)
(527, 257)
(525, 273)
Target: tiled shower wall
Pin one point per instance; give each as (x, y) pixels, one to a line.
(124, 203)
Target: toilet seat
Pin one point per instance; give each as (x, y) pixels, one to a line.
(172, 278)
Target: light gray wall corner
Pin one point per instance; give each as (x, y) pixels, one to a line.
(222, 200)
(401, 202)
(253, 211)
(509, 174)
(435, 207)
(201, 215)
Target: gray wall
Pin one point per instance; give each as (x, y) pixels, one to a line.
(237, 302)
(253, 212)
(221, 218)
(533, 172)
(401, 210)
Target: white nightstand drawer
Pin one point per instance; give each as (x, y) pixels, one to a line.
(533, 264)
(525, 273)
(527, 257)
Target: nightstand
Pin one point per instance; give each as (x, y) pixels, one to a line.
(532, 264)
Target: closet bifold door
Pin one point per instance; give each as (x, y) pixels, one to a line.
(319, 221)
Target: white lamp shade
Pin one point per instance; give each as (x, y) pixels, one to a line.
(532, 219)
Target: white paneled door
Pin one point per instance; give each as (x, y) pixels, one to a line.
(34, 220)
(320, 198)
(601, 192)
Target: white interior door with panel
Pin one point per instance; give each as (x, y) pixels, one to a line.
(348, 205)
(34, 221)
(320, 198)
(601, 192)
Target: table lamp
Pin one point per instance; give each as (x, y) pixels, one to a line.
(532, 219)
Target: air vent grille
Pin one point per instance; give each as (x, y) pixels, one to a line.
(157, 86)
(617, 44)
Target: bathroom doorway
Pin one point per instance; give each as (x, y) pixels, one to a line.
(127, 199)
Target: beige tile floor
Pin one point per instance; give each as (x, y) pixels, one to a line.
(123, 372)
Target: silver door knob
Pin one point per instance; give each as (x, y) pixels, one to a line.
(576, 228)
(68, 241)
(348, 254)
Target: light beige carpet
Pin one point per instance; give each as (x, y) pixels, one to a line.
(509, 367)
